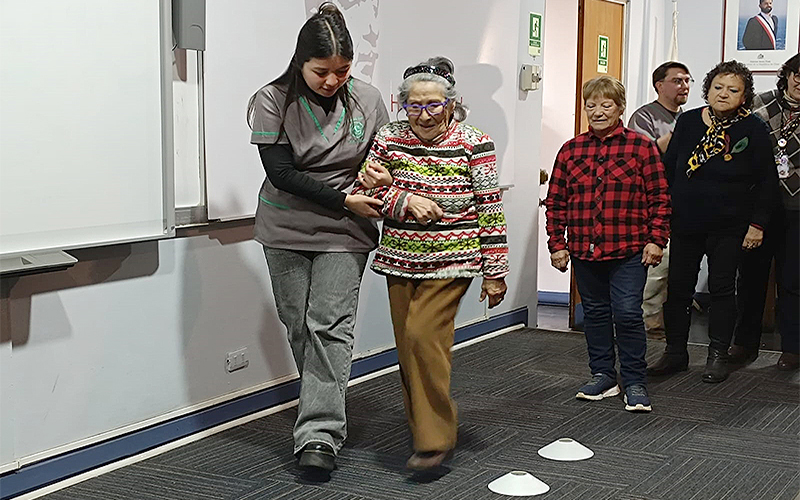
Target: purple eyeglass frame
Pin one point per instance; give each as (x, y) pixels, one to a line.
(425, 107)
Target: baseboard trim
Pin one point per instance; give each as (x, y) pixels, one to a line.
(58, 468)
(553, 298)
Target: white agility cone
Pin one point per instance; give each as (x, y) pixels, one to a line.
(565, 450)
(518, 483)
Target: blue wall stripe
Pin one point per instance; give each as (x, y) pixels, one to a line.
(58, 468)
(554, 298)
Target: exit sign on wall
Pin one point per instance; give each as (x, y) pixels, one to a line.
(602, 54)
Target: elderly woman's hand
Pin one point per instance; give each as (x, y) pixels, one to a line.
(753, 238)
(559, 260)
(494, 289)
(652, 254)
(424, 209)
(374, 175)
(363, 205)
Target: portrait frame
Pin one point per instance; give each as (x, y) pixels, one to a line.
(738, 12)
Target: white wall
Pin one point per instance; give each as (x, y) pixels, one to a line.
(558, 108)
(134, 334)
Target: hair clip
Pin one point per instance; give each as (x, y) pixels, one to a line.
(429, 69)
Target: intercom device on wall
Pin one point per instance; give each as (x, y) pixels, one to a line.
(529, 77)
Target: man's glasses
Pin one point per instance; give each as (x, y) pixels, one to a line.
(688, 81)
(433, 108)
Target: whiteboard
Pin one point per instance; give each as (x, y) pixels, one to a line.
(85, 123)
(250, 42)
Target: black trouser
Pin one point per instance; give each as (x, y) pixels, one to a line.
(788, 269)
(781, 241)
(686, 252)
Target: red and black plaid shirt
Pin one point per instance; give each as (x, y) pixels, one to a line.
(609, 194)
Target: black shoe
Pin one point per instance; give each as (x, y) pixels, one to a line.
(668, 364)
(789, 361)
(716, 366)
(318, 456)
(738, 355)
(424, 460)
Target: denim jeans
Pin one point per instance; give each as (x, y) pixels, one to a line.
(316, 294)
(611, 294)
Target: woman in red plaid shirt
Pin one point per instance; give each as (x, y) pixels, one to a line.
(608, 192)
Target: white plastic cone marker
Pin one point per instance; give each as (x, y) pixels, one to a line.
(518, 483)
(565, 450)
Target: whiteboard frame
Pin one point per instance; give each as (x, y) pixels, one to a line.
(167, 150)
(167, 132)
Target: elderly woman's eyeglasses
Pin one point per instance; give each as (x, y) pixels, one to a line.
(795, 76)
(433, 108)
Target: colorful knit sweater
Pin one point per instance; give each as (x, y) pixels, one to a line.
(459, 173)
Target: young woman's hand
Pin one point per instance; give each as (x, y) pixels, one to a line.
(365, 206)
(494, 289)
(374, 175)
(424, 209)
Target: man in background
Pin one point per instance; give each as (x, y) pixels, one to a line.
(656, 120)
(761, 30)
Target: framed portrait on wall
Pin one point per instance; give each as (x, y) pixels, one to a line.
(762, 34)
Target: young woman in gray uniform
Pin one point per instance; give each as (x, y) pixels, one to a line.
(313, 126)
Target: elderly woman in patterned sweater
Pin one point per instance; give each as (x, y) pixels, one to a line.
(443, 226)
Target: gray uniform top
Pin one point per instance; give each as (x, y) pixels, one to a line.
(323, 150)
(653, 120)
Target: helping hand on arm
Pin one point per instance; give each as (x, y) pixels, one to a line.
(374, 175)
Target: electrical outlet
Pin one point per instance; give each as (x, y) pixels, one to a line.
(237, 360)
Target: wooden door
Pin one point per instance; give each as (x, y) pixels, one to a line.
(601, 25)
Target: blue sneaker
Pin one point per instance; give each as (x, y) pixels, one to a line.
(601, 386)
(636, 398)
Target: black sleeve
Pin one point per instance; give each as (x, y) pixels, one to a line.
(749, 39)
(279, 164)
(767, 195)
(670, 156)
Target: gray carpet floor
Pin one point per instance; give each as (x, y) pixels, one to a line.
(739, 440)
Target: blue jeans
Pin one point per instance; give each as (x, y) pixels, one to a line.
(316, 294)
(611, 294)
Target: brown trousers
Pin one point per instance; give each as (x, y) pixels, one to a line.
(423, 316)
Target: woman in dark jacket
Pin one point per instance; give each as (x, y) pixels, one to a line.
(723, 184)
(780, 108)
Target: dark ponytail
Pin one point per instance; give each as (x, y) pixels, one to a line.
(324, 35)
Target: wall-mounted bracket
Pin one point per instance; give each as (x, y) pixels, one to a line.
(530, 76)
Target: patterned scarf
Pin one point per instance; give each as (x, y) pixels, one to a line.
(714, 141)
(788, 126)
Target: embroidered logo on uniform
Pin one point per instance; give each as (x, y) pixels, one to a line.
(357, 129)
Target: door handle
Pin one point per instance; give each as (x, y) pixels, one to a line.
(543, 177)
